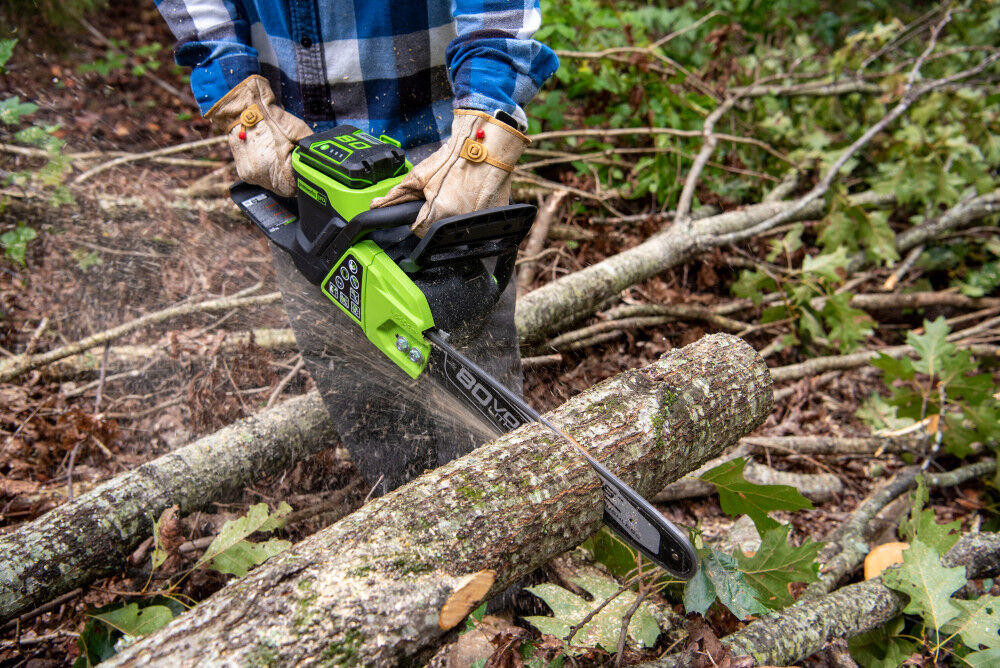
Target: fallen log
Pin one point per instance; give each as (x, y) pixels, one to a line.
(93, 535)
(388, 580)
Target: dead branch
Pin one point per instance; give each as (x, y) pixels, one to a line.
(93, 535)
(371, 582)
(132, 157)
(13, 367)
(539, 234)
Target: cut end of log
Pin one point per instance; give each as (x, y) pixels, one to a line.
(882, 557)
(467, 595)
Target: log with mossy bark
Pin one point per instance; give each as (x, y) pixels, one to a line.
(92, 536)
(381, 584)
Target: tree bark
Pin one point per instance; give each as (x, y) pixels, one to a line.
(368, 589)
(93, 535)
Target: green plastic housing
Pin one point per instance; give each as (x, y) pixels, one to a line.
(391, 307)
(334, 195)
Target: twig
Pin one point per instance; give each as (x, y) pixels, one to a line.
(573, 630)
(678, 312)
(707, 148)
(860, 358)
(14, 367)
(42, 609)
(626, 620)
(539, 234)
(37, 640)
(69, 469)
(625, 132)
(900, 271)
(189, 146)
(101, 377)
(285, 381)
(35, 336)
(541, 360)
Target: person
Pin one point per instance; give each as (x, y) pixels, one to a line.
(432, 74)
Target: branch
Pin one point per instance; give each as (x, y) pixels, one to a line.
(13, 367)
(93, 535)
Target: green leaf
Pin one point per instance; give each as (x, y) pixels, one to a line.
(826, 265)
(777, 564)
(978, 623)
(928, 584)
(847, 326)
(96, 644)
(719, 577)
(882, 647)
(612, 551)
(752, 285)
(931, 346)
(244, 555)
(985, 659)
(234, 532)
(6, 51)
(922, 524)
(603, 630)
(12, 109)
(894, 369)
(133, 621)
(15, 242)
(737, 496)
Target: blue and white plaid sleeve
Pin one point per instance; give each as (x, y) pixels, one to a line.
(213, 38)
(494, 62)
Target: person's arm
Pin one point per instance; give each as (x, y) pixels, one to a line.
(213, 39)
(494, 62)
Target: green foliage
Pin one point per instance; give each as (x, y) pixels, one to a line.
(971, 416)
(610, 550)
(834, 321)
(231, 553)
(52, 173)
(777, 564)
(603, 630)
(116, 58)
(928, 584)
(130, 620)
(15, 242)
(883, 647)
(719, 577)
(110, 625)
(921, 523)
(737, 496)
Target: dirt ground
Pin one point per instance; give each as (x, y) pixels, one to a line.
(126, 249)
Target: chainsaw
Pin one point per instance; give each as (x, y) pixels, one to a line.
(413, 297)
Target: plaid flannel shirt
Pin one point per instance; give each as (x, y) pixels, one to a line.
(387, 67)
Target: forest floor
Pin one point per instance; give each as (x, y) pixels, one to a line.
(125, 249)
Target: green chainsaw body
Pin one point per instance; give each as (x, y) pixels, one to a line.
(392, 284)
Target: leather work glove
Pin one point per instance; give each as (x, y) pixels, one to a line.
(471, 171)
(261, 134)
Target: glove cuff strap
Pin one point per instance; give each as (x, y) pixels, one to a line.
(473, 151)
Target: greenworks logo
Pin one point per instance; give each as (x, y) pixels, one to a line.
(317, 195)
